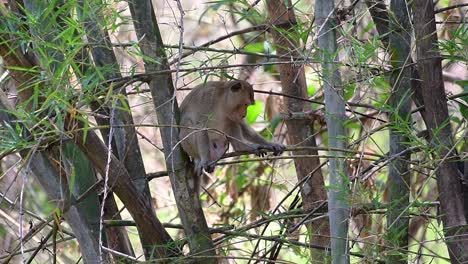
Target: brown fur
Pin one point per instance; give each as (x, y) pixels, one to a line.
(212, 117)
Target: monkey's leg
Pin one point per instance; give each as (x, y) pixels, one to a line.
(202, 142)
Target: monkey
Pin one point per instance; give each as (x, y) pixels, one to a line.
(212, 118)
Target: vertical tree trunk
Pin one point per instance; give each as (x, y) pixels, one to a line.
(294, 83)
(338, 208)
(55, 185)
(124, 139)
(379, 13)
(157, 239)
(395, 31)
(82, 217)
(400, 118)
(440, 134)
(177, 163)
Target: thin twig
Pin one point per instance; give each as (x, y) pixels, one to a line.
(449, 8)
(227, 36)
(34, 248)
(120, 254)
(106, 180)
(41, 245)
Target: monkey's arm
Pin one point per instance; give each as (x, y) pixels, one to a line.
(251, 135)
(245, 133)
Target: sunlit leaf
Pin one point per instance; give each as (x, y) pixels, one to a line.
(253, 111)
(311, 90)
(255, 47)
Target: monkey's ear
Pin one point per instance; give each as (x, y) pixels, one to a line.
(235, 86)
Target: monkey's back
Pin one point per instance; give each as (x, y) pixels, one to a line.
(200, 105)
(197, 110)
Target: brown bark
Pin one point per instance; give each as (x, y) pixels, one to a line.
(398, 181)
(437, 121)
(157, 241)
(140, 209)
(299, 131)
(22, 77)
(379, 13)
(117, 237)
(47, 171)
(177, 162)
(124, 139)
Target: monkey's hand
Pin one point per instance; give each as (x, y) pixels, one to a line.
(259, 150)
(206, 165)
(276, 148)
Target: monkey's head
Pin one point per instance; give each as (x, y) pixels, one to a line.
(239, 96)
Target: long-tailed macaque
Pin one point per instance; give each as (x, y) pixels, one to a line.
(212, 116)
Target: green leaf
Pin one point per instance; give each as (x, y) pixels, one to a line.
(2, 231)
(349, 91)
(241, 180)
(444, 3)
(463, 107)
(311, 90)
(71, 185)
(257, 47)
(463, 83)
(253, 111)
(381, 83)
(369, 27)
